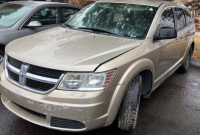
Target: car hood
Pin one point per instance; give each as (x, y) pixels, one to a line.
(69, 50)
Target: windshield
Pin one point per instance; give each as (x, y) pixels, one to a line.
(129, 20)
(11, 13)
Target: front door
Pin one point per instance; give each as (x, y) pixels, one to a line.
(48, 17)
(167, 49)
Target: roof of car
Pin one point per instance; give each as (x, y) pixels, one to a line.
(154, 3)
(39, 3)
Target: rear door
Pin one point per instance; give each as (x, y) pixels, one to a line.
(182, 32)
(48, 17)
(190, 24)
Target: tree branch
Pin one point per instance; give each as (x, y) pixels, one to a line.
(192, 2)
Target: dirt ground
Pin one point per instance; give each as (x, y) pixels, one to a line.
(196, 54)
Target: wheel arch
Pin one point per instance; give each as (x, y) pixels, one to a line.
(192, 45)
(2, 47)
(147, 82)
(145, 68)
(189, 45)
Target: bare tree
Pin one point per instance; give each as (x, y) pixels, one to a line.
(190, 2)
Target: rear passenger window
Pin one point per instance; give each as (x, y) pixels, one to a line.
(180, 18)
(188, 17)
(66, 13)
(166, 20)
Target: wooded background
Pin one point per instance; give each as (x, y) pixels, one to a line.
(192, 4)
(84, 3)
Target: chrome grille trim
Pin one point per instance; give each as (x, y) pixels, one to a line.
(13, 69)
(41, 78)
(8, 66)
(15, 77)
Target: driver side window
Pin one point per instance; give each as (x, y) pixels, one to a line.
(166, 20)
(46, 16)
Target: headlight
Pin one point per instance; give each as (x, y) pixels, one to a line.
(86, 82)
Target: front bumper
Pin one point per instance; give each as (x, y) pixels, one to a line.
(92, 109)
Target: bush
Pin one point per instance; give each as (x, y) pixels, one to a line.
(82, 3)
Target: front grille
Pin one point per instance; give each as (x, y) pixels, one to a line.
(35, 73)
(65, 123)
(15, 62)
(32, 112)
(45, 72)
(13, 76)
(39, 85)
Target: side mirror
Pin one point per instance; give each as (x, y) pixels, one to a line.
(34, 24)
(166, 33)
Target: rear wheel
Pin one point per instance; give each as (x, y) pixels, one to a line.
(129, 108)
(184, 68)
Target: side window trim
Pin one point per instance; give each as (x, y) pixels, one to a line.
(175, 19)
(185, 17)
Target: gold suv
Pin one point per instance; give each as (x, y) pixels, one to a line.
(95, 67)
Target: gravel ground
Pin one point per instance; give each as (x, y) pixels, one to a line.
(173, 109)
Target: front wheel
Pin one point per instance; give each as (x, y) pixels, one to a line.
(129, 108)
(184, 68)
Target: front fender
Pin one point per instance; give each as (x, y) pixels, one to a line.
(7, 35)
(133, 70)
(136, 68)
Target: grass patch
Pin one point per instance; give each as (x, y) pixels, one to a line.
(196, 54)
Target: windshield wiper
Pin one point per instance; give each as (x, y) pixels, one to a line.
(100, 30)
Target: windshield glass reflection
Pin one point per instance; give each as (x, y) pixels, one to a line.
(11, 13)
(129, 20)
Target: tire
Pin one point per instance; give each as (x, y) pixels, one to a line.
(184, 68)
(128, 111)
